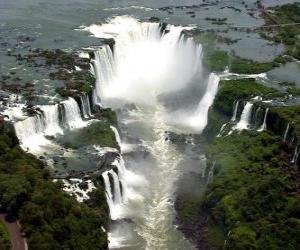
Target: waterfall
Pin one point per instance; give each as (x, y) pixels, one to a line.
(211, 173)
(72, 114)
(117, 135)
(88, 105)
(264, 125)
(32, 130)
(286, 132)
(51, 120)
(156, 57)
(295, 156)
(199, 120)
(109, 196)
(144, 66)
(221, 130)
(235, 109)
(85, 106)
(245, 120)
(204, 166)
(115, 199)
(117, 189)
(120, 164)
(30, 127)
(103, 67)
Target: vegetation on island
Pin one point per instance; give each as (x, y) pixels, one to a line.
(279, 118)
(68, 68)
(218, 60)
(241, 89)
(97, 133)
(50, 218)
(287, 17)
(4, 237)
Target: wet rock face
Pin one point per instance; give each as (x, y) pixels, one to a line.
(110, 42)
(275, 123)
(107, 159)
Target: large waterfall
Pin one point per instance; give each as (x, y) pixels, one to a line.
(49, 120)
(245, 120)
(146, 63)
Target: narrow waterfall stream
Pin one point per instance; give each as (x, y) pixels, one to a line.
(148, 64)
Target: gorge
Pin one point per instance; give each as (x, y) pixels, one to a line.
(150, 125)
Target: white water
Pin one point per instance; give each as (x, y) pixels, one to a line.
(142, 63)
(199, 120)
(264, 125)
(83, 107)
(236, 105)
(109, 196)
(221, 130)
(72, 114)
(245, 120)
(51, 119)
(32, 130)
(295, 156)
(146, 64)
(286, 132)
(210, 176)
(117, 189)
(72, 187)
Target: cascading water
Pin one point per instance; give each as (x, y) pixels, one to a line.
(120, 164)
(264, 125)
(204, 163)
(117, 135)
(103, 67)
(29, 131)
(235, 109)
(145, 64)
(117, 189)
(221, 130)
(245, 120)
(199, 120)
(83, 107)
(295, 156)
(109, 196)
(211, 174)
(51, 119)
(88, 105)
(72, 114)
(32, 130)
(286, 132)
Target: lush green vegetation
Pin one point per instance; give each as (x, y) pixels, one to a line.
(74, 82)
(218, 60)
(4, 237)
(293, 91)
(50, 218)
(63, 68)
(253, 198)
(97, 133)
(110, 116)
(281, 116)
(286, 34)
(232, 90)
